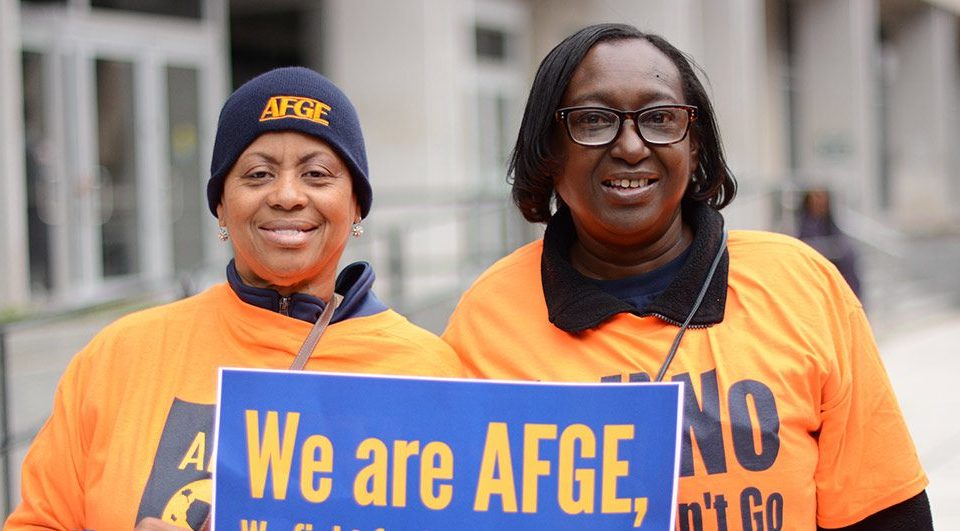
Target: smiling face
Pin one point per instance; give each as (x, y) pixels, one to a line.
(288, 205)
(625, 196)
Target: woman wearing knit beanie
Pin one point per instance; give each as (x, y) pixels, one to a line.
(129, 440)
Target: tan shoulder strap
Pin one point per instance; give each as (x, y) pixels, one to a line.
(305, 351)
(313, 337)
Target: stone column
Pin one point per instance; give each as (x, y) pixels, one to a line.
(13, 201)
(836, 50)
(921, 113)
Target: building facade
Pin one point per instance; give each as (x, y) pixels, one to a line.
(108, 109)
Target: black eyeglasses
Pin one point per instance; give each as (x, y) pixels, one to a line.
(599, 126)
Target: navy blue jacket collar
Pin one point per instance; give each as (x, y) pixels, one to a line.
(354, 283)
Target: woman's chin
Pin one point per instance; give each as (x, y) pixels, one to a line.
(289, 278)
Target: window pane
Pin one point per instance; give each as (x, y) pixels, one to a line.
(117, 175)
(256, 24)
(491, 43)
(186, 185)
(41, 211)
(174, 8)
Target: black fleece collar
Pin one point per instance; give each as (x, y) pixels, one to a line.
(574, 305)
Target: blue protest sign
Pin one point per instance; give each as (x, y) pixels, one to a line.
(304, 451)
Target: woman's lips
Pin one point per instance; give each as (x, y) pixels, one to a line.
(625, 183)
(286, 235)
(628, 189)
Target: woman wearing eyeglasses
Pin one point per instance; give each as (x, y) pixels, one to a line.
(789, 419)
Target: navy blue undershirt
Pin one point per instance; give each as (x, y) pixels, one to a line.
(641, 290)
(354, 283)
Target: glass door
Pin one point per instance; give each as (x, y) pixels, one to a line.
(187, 176)
(115, 182)
(115, 124)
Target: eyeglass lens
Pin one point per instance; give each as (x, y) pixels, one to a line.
(657, 126)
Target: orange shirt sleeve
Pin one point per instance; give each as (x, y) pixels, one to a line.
(867, 460)
(52, 472)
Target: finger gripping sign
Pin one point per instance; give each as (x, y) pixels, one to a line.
(306, 451)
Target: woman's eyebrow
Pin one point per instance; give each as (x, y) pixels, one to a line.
(261, 155)
(307, 157)
(605, 97)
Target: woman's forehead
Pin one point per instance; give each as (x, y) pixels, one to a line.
(634, 65)
(278, 144)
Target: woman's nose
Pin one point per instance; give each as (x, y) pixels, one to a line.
(287, 192)
(629, 146)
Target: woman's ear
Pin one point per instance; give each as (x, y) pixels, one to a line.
(220, 213)
(694, 152)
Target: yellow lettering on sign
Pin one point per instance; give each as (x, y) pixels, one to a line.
(253, 525)
(316, 458)
(585, 479)
(402, 452)
(613, 468)
(533, 466)
(640, 508)
(496, 471)
(370, 485)
(271, 454)
(436, 463)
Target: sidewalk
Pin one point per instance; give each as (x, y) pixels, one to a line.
(924, 364)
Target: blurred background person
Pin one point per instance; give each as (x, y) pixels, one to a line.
(816, 226)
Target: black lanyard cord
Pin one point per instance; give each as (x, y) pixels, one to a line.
(693, 310)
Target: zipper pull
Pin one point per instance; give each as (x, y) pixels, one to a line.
(285, 306)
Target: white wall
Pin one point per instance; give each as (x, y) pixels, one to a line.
(416, 88)
(400, 68)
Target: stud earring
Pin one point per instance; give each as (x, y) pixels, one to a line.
(357, 230)
(222, 234)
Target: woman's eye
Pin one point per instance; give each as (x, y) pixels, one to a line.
(258, 175)
(316, 174)
(658, 117)
(595, 119)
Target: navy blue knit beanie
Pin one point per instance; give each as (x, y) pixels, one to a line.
(289, 99)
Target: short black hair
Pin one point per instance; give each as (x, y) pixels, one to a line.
(532, 158)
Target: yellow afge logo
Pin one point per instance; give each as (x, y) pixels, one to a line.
(295, 107)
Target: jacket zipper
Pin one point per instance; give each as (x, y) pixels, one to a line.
(285, 306)
(674, 323)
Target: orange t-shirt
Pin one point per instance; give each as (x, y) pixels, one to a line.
(131, 432)
(789, 418)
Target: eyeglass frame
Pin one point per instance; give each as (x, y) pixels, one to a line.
(562, 114)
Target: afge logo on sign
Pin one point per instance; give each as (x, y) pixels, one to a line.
(333, 452)
(295, 107)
